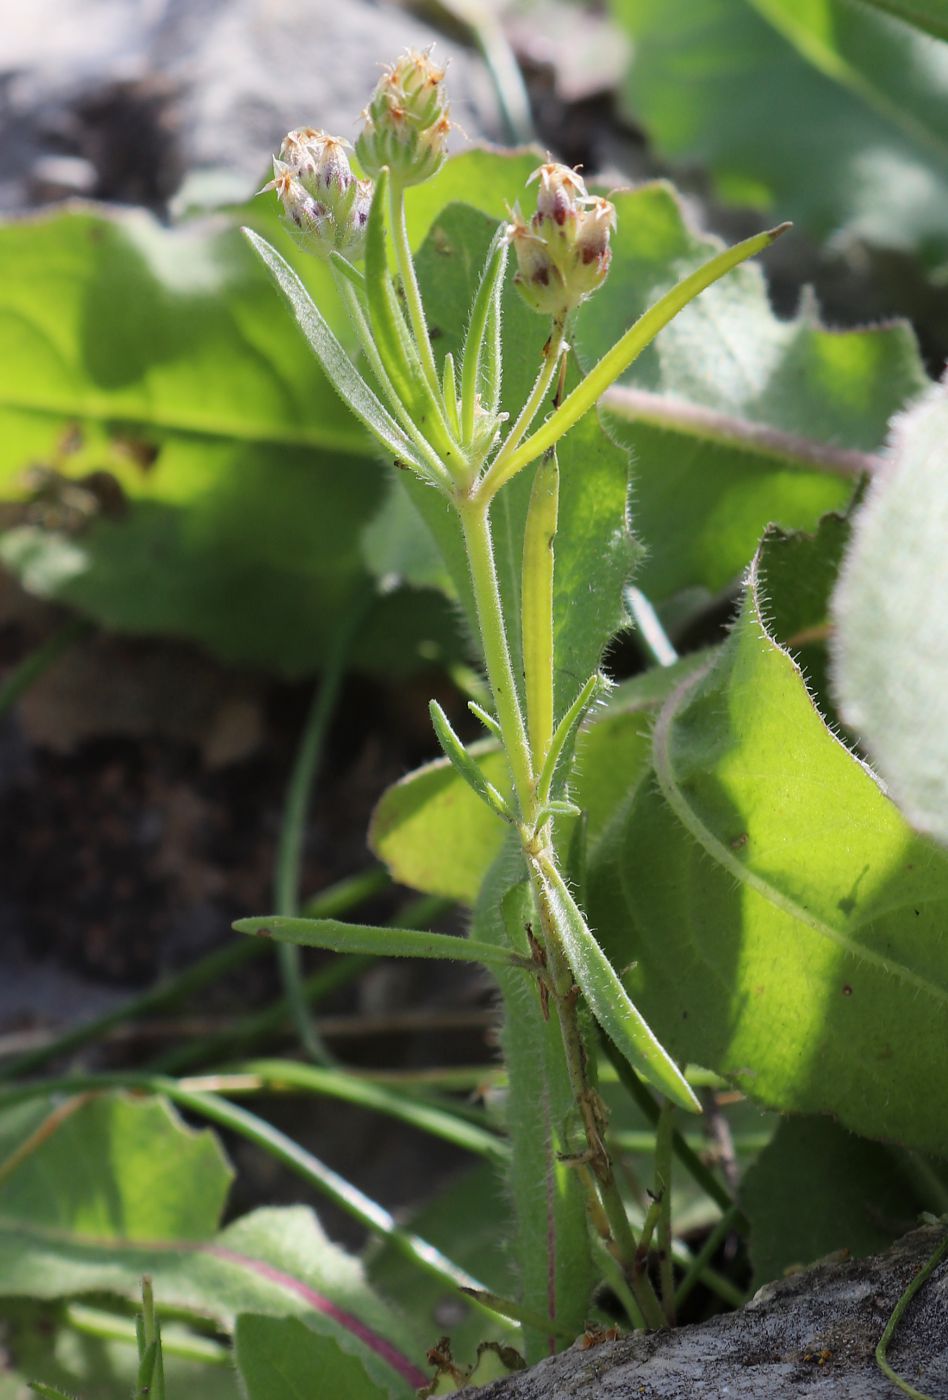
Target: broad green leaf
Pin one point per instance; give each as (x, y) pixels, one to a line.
(341, 937)
(736, 418)
(816, 1189)
(93, 1201)
(890, 643)
(482, 177)
(826, 111)
(243, 532)
(113, 1167)
(787, 923)
(436, 836)
(434, 833)
(281, 1359)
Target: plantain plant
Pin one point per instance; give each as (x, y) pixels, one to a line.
(443, 427)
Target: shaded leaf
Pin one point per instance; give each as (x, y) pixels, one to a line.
(751, 90)
(928, 15)
(890, 644)
(112, 1167)
(816, 1189)
(223, 484)
(282, 1359)
(93, 1201)
(469, 1219)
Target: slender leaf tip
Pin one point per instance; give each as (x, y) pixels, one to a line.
(260, 927)
(774, 233)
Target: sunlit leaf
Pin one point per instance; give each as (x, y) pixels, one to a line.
(786, 923)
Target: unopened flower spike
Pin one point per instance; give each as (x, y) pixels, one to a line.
(326, 207)
(563, 253)
(407, 122)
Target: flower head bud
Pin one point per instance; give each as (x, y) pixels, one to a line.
(563, 254)
(325, 206)
(406, 121)
(560, 194)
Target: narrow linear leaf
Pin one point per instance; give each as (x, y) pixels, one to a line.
(380, 1098)
(146, 1370)
(458, 756)
(337, 365)
(563, 743)
(487, 720)
(449, 393)
(339, 937)
(629, 346)
(481, 354)
(605, 995)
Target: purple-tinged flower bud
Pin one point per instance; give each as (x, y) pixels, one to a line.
(406, 122)
(538, 279)
(563, 254)
(325, 207)
(560, 194)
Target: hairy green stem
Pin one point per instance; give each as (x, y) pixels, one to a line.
(367, 341)
(475, 522)
(592, 1115)
(498, 471)
(689, 1159)
(410, 288)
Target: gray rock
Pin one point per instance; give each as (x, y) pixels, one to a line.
(197, 93)
(808, 1337)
